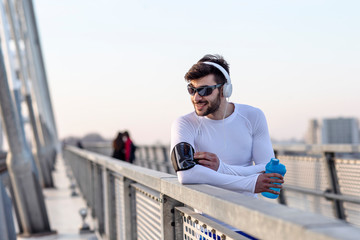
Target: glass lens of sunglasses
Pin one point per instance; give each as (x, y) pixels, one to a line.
(203, 91)
(191, 90)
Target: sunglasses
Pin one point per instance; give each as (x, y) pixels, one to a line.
(202, 91)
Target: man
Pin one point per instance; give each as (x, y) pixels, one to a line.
(221, 143)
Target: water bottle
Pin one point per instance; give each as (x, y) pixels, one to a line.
(274, 166)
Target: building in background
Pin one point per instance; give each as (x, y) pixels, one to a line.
(313, 133)
(340, 131)
(333, 131)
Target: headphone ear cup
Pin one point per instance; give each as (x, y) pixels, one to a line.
(227, 90)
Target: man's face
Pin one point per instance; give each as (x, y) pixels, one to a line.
(207, 105)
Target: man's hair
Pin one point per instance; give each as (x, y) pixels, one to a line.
(201, 69)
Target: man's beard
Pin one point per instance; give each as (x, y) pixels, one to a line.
(211, 106)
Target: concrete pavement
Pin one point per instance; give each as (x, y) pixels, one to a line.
(63, 209)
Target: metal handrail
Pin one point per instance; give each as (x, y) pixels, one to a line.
(326, 194)
(318, 148)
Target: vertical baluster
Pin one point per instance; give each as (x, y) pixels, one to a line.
(334, 183)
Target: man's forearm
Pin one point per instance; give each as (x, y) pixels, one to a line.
(202, 175)
(240, 170)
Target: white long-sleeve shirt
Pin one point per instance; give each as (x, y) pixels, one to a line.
(241, 142)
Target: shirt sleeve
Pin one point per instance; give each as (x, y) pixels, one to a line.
(240, 170)
(182, 130)
(203, 175)
(262, 150)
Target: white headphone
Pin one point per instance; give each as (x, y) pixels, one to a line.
(227, 89)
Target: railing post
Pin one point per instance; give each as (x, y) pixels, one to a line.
(129, 210)
(98, 197)
(142, 156)
(109, 205)
(138, 156)
(79, 172)
(88, 180)
(281, 198)
(169, 219)
(334, 183)
(157, 161)
(92, 189)
(147, 163)
(168, 166)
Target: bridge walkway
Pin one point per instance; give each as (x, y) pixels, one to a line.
(63, 209)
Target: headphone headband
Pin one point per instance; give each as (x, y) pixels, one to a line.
(228, 86)
(224, 72)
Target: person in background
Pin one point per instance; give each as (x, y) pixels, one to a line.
(129, 148)
(118, 147)
(79, 144)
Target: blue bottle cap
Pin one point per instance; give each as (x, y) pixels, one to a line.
(275, 161)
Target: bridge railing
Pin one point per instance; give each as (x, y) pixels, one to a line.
(133, 202)
(322, 179)
(154, 157)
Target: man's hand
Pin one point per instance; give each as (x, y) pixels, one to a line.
(264, 183)
(206, 159)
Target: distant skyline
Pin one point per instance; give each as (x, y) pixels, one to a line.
(116, 65)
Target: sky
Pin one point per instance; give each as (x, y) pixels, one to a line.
(116, 65)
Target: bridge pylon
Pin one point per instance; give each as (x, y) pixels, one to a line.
(28, 195)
